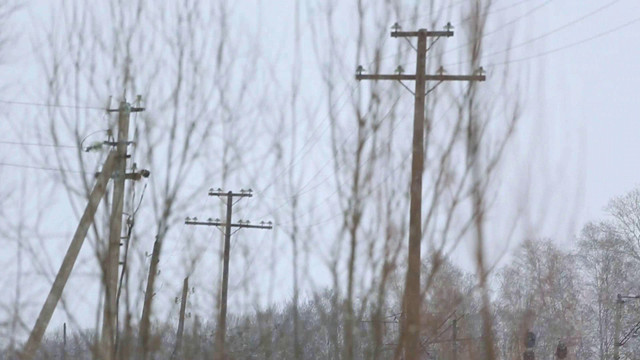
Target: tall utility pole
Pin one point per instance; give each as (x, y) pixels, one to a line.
(411, 328)
(228, 225)
(111, 262)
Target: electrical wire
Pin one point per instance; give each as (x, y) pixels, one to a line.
(570, 45)
(26, 103)
(313, 139)
(558, 29)
(33, 167)
(506, 7)
(304, 188)
(6, 142)
(534, 39)
(375, 186)
(508, 23)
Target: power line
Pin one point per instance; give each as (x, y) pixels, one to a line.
(312, 140)
(305, 187)
(375, 186)
(560, 28)
(451, 6)
(570, 45)
(6, 142)
(544, 35)
(508, 23)
(42, 168)
(26, 103)
(511, 22)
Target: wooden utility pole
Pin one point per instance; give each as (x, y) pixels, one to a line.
(145, 322)
(64, 341)
(111, 262)
(69, 260)
(455, 337)
(228, 225)
(411, 327)
(183, 305)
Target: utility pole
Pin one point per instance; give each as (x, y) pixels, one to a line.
(455, 337)
(64, 341)
(35, 337)
(411, 328)
(228, 225)
(145, 322)
(111, 262)
(183, 305)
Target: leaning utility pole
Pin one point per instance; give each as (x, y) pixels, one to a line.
(111, 262)
(411, 328)
(183, 306)
(69, 260)
(145, 322)
(222, 318)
